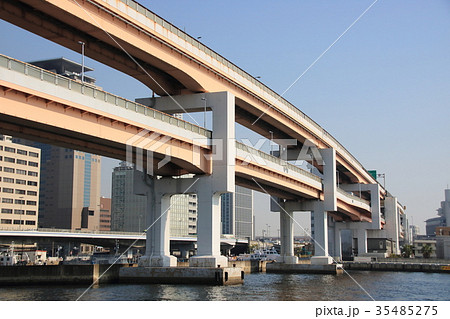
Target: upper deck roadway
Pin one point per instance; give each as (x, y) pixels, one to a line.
(134, 40)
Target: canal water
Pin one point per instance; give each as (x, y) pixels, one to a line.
(381, 286)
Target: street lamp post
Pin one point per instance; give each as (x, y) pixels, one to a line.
(82, 60)
(204, 112)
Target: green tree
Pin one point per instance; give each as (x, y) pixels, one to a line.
(426, 250)
(407, 251)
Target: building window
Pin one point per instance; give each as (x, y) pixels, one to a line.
(7, 200)
(21, 181)
(31, 183)
(31, 202)
(20, 191)
(9, 170)
(19, 211)
(31, 212)
(34, 154)
(22, 152)
(30, 222)
(6, 221)
(20, 201)
(10, 149)
(31, 193)
(31, 173)
(21, 171)
(10, 159)
(8, 190)
(18, 222)
(7, 211)
(8, 180)
(34, 164)
(22, 162)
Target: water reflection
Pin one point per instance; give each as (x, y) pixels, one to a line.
(380, 285)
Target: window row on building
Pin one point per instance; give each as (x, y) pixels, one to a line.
(6, 200)
(18, 191)
(18, 171)
(18, 211)
(8, 159)
(18, 151)
(17, 222)
(18, 181)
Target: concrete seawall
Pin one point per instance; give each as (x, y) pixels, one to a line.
(58, 274)
(398, 266)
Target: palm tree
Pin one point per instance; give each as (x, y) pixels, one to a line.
(407, 251)
(426, 250)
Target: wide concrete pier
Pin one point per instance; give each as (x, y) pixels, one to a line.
(182, 275)
(333, 269)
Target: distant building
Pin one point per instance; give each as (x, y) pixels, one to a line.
(237, 213)
(65, 67)
(129, 211)
(443, 216)
(415, 230)
(19, 185)
(105, 214)
(70, 188)
(443, 242)
(420, 242)
(183, 215)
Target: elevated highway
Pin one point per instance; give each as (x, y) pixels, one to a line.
(47, 107)
(40, 105)
(130, 38)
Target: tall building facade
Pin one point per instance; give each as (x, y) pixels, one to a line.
(237, 213)
(443, 218)
(19, 184)
(183, 215)
(105, 214)
(69, 188)
(129, 211)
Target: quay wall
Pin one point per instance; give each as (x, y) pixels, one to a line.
(398, 266)
(59, 274)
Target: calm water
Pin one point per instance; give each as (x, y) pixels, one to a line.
(382, 286)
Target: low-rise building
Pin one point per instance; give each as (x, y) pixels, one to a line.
(422, 241)
(443, 242)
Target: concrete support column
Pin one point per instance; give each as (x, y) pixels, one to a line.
(321, 209)
(337, 242)
(157, 252)
(392, 222)
(321, 255)
(361, 237)
(287, 235)
(222, 179)
(208, 227)
(329, 179)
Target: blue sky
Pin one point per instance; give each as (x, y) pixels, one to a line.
(383, 90)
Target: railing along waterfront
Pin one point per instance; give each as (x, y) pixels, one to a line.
(231, 66)
(96, 93)
(276, 160)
